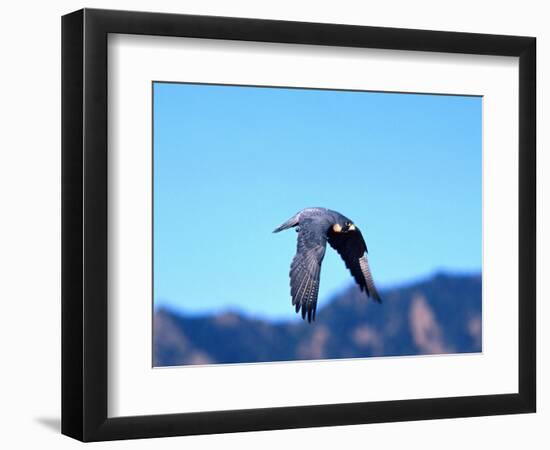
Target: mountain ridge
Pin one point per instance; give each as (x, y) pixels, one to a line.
(438, 314)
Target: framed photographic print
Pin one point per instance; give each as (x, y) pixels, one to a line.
(272, 224)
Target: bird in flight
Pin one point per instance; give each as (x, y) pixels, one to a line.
(316, 226)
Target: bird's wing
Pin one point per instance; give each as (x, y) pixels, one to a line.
(353, 250)
(305, 269)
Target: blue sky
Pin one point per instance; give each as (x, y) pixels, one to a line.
(232, 163)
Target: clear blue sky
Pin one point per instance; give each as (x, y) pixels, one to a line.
(232, 163)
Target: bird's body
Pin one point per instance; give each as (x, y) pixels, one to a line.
(316, 227)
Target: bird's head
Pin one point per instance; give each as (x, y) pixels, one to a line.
(343, 227)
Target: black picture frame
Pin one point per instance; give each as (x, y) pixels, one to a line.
(84, 224)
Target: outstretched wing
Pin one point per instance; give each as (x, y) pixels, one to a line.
(353, 250)
(305, 269)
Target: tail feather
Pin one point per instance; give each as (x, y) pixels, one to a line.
(292, 222)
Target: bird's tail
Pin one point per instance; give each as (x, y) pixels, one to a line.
(292, 222)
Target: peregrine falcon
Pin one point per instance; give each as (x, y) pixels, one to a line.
(316, 226)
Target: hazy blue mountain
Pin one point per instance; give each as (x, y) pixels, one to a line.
(441, 314)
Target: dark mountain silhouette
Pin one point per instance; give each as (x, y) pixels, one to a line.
(441, 314)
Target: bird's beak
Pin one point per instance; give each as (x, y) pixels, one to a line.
(348, 228)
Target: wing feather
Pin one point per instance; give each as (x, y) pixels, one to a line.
(305, 269)
(353, 250)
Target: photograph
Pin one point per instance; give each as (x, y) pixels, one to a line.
(266, 225)
(296, 224)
